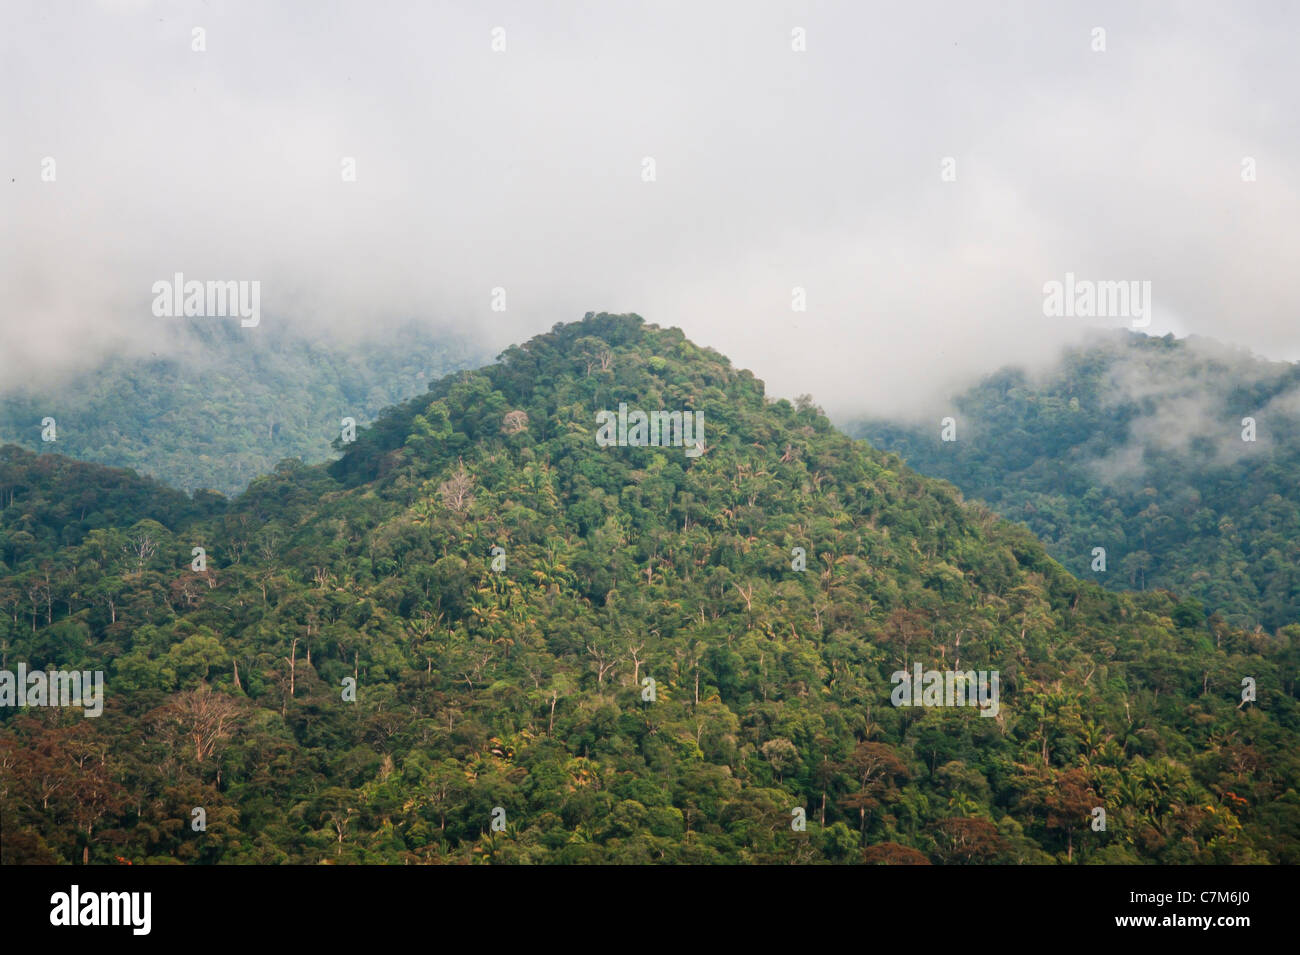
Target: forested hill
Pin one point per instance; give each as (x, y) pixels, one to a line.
(1135, 444)
(438, 648)
(217, 405)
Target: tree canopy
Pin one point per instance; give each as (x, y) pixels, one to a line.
(495, 593)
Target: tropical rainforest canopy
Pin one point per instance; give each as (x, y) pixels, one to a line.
(498, 704)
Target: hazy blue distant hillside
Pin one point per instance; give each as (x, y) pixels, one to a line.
(220, 405)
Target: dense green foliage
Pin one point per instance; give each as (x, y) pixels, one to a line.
(218, 405)
(522, 689)
(1135, 444)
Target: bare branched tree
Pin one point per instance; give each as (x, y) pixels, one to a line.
(456, 490)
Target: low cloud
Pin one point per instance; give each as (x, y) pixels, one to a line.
(1194, 407)
(774, 170)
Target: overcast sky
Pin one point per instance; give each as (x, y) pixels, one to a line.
(775, 168)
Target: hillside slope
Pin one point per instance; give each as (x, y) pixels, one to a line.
(499, 587)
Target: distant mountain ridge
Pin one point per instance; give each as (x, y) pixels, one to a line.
(225, 404)
(1135, 444)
